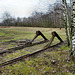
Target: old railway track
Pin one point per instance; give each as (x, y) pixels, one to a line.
(54, 34)
(25, 56)
(22, 46)
(27, 44)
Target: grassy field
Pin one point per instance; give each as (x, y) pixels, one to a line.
(41, 63)
(18, 33)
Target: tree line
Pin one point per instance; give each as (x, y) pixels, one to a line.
(52, 18)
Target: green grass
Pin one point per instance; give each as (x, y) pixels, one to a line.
(39, 64)
(17, 33)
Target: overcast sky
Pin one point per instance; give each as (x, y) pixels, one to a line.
(23, 8)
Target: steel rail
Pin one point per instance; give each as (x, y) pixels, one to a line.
(21, 47)
(28, 44)
(27, 55)
(54, 34)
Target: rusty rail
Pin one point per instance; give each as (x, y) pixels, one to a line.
(28, 44)
(54, 34)
(25, 56)
(37, 34)
(30, 54)
(21, 47)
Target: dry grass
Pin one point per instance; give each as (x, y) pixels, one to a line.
(39, 64)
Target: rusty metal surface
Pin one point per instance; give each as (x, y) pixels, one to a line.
(25, 56)
(54, 34)
(21, 47)
(30, 54)
(38, 33)
(27, 44)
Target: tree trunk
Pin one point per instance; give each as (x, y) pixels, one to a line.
(71, 26)
(73, 29)
(65, 23)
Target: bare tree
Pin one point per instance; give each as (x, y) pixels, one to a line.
(6, 18)
(71, 21)
(65, 22)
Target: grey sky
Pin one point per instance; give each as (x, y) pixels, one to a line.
(23, 8)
